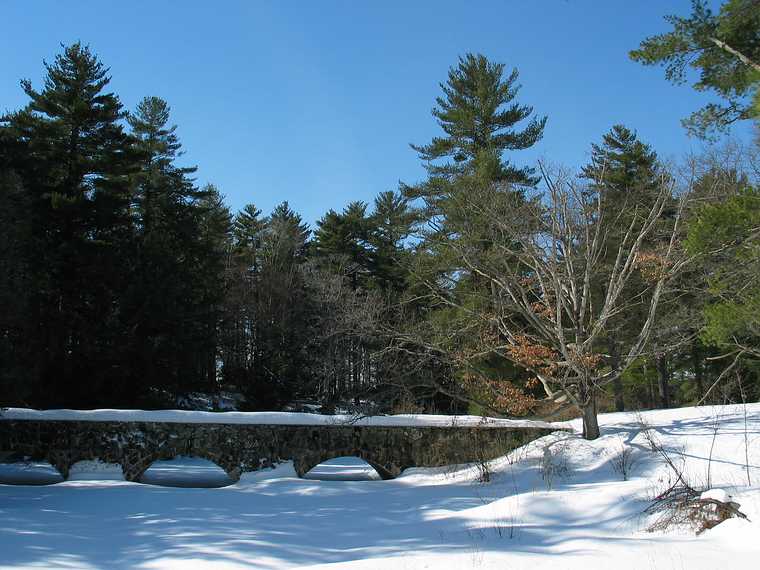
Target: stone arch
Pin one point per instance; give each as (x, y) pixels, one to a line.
(135, 465)
(95, 468)
(62, 461)
(308, 461)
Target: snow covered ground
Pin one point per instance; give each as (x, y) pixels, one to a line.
(556, 503)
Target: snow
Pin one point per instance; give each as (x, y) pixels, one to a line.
(186, 472)
(29, 473)
(263, 418)
(343, 469)
(95, 471)
(559, 502)
(715, 495)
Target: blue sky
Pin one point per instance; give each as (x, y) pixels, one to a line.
(317, 102)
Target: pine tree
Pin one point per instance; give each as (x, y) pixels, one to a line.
(162, 294)
(623, 167)
(164, 189)
(625, 173)
(268, 320)
(242, 329)
(726, 233)
(212, 246)
(478, 117)
(285, 238)
(247, 230)
(725, 50)
(360, 259)
(16, 286)
(391, 224)
(76, 166)
(341, 241)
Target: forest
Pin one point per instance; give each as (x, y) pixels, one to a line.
(493, 286)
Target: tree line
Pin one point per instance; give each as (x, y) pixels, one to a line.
(488, 287)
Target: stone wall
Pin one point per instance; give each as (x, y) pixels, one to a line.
(237, 448)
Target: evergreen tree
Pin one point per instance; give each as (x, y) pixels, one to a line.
(164, 190)
(725, 236)
(247, 230)
(342, 241)
(268, 313)
(625, 173)
(360, 269)
(242, 329)
(390, 225)
(728, 231)
(724, 49)
(16, 324)
(624, 168)
(478, 117)
(286, 236)
(75, 164)
(163, 294)
(210, 258)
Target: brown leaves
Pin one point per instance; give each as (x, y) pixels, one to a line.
(533, 355)
(547, 361)
(500, 394)
(651, 265)
(587, 361)
(542, 309)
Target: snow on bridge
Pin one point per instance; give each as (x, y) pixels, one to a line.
(265, 418)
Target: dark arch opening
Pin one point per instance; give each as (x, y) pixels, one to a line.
(186, 471)
(344, 468)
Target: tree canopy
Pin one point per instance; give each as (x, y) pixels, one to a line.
(724, 49)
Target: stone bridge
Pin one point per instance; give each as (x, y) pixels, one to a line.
(238, 446)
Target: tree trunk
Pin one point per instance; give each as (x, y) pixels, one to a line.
(663, 375)
(617, 382)
(699, 371)
(590, 421)
(650, 386)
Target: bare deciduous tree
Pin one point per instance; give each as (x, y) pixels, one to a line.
(542, 258)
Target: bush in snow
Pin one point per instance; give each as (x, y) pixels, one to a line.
(554, 463)
(683, 507)
(623, 460)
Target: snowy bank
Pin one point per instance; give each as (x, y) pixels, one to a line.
(558, 502)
